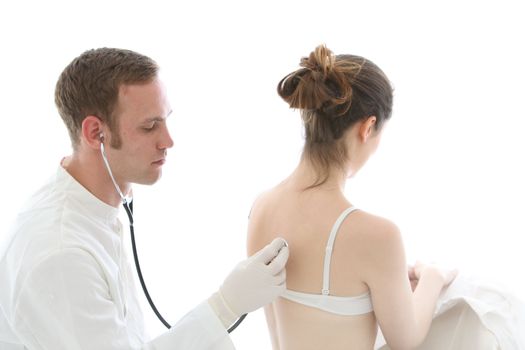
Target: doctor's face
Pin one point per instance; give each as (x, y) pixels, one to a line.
(141, 114)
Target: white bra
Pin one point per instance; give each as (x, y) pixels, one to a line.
(346, 306)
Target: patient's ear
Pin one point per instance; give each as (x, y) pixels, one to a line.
(366, 129)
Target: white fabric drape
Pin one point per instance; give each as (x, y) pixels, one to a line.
(471, 314)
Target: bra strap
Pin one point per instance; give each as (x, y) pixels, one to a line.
(329, 248)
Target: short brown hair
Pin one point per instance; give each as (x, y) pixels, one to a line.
(90, 84)
(333, 93)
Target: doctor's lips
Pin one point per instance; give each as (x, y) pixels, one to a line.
(159, 162)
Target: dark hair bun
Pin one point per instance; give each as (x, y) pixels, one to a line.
(322, 84)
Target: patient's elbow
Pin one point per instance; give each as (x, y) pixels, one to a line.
(400, 346)
(408, 342)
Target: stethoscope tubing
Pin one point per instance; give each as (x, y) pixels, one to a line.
(128, 207)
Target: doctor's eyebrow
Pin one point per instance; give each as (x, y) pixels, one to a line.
(157, 119)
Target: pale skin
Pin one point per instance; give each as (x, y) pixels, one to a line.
(368, 256)
(141, 112)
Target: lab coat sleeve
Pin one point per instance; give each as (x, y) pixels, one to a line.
(65, 303)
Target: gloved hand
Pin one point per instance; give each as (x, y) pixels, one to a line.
(253, 283)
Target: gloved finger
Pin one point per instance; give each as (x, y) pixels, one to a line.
(269, 252)
(277, 265)
(278, 289)
(280, 278)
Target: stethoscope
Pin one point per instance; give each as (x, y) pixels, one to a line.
(128, 207)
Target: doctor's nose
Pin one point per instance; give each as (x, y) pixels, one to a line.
(165, 140)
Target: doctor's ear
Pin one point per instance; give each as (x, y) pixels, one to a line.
(92, 134)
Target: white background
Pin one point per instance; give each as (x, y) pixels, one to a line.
(449, 170)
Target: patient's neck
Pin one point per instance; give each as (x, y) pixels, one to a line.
(305, 175)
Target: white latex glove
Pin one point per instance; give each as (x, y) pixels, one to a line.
(253, 283)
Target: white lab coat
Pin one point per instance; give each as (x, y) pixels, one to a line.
(65, 281)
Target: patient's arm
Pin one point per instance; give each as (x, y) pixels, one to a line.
(404, 316)
(270, 319)
(253, 244)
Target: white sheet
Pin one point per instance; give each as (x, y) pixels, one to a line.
(471, 314)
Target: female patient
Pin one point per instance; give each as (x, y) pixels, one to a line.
(347, 271)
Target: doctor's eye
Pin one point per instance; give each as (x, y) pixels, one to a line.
(149, 127)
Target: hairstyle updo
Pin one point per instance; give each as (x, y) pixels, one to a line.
(334, 92)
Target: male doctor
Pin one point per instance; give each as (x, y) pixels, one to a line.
(65, 281)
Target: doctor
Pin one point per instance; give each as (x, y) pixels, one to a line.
(65, 281)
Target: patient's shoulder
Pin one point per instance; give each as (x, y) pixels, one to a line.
(259, 204)
(371, 230)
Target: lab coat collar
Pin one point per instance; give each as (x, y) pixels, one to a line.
(67, 183)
